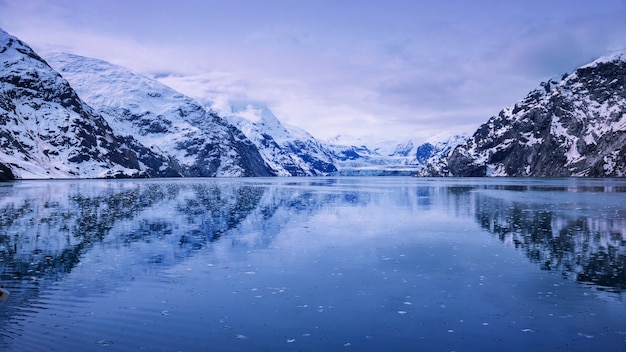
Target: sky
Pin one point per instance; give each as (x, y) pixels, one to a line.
(366, 69)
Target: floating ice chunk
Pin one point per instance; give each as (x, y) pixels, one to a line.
(291, 340)
(104, 342)
(528, 330)
(585, 335)
(242, 337)
(402, 312)
(347, 344)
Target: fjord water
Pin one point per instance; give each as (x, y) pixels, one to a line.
(314, 264)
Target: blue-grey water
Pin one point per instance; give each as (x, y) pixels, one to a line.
(314, 264)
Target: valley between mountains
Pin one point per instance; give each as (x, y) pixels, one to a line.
(67, 116)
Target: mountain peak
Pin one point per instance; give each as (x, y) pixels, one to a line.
(14, 50)
(260, 115)
(49, 132)
(618, 55)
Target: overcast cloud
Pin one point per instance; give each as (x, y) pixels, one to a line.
(384, 69)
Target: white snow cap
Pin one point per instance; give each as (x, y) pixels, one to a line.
(619, 55)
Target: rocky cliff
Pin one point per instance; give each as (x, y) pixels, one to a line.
(574, 126)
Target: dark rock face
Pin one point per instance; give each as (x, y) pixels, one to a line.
(248, 155)
(575, 127)
(424, 152)
(5, 173)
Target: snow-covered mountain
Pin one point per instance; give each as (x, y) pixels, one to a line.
(197, 141)
(573, 126)
(387, 157)
(290, 151)
(121, 124)
(48, 132)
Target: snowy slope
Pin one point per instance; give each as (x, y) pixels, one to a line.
(290, 151)
(198, 141)
(573, 126)
(48, 132)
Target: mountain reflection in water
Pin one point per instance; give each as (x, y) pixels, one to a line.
(579, 231)
(138, 227)
(45, 227)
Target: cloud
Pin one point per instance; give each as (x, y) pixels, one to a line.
(548, 48)
(212, 89)
(399, 68)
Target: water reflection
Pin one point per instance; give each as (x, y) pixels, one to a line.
(578, 231)
(47, 230)
(97, 236)
(46, 227)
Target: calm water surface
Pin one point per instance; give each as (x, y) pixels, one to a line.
(313, 264)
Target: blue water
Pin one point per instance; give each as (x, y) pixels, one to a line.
(313, 264)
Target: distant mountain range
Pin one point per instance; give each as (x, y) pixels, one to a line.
(388, 158)
(74, 117)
